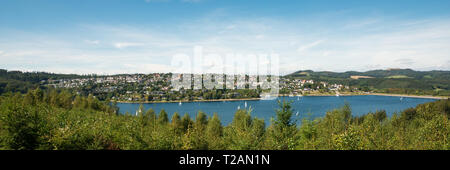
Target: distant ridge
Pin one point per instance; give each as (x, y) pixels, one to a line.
(391, 72)
(403, 81)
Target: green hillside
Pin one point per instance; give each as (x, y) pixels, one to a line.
(17, 81)
(387, 81)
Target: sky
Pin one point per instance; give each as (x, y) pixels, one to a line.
(142, 36)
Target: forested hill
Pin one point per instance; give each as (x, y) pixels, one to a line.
(389, 73)
(17, 81)
(391, 80)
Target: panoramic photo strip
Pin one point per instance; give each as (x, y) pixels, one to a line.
(223, 83)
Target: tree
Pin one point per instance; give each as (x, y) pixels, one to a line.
(380, 115)
(65, 99)
(347, 112)
(150, 117)
(197, 138)
(284, 114)
(176, 123)
(38, 94)
(201, 120)
(163, 117)
(140, 111)
(53, 98)
(29, 98)
(186, 122)
(283, 131)
(92, 102)
(244, 133)
(79, 102)
(23, 125)
(214, 132)
(29, 123)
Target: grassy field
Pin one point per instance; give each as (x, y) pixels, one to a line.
(398, 77)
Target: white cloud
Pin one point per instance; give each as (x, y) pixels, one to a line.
(230, 27)
(260, 36)
(121, 45)
(405, 61)
(1, 52)
(351, 45)
(148, 68)
(308, 46)
(360, 24)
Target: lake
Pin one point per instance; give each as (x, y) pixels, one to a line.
(306, 106)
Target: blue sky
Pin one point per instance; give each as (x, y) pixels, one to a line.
(130, 36)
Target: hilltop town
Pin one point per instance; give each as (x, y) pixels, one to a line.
(157, 88)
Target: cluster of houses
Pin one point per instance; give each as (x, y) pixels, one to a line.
(301, 86)
(107, 80)
(158, 86)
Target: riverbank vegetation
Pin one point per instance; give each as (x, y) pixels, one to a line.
(63, 121)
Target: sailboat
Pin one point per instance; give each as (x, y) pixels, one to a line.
(245, 104)
(296, 114)
(179, 104)
(401, 98)
(239, 107)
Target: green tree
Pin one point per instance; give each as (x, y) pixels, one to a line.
(186, 122)
(23, 125)
(201, 120)
(197, 138)
(38, 94)
(282, 134)
(150, 117)
(244, 133)
(176, 124)
(284, 114)
(29, 98)
(214, 133)
(140, 111)
(163, 117)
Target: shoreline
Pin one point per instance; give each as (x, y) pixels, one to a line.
(381, 94)
(312, 95)
(412, 96)
(186, 101)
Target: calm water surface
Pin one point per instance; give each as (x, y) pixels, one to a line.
(307, 106)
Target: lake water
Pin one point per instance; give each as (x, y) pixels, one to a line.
(306, 106)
